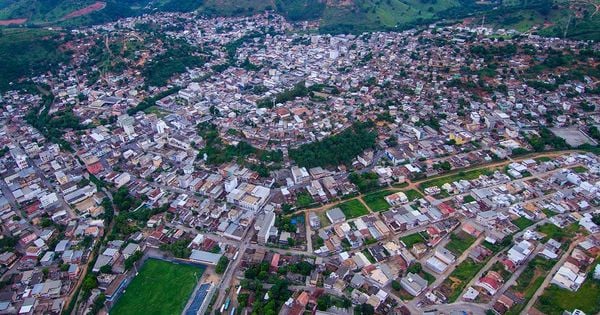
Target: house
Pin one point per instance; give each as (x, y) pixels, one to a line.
(7, 258)
(315, 222)
(445, 255)
(396, 198)
(130, 249)
(491, 282)
(413, 284)
(518, 253)
(336, 215)
(479, 253)
(436, 265)
(300, 174)
(568, 277)
(265, 226)
(205, 257)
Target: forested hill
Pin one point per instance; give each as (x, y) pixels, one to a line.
(578, 19)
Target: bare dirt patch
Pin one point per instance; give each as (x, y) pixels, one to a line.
(12, 21)
(97, 6)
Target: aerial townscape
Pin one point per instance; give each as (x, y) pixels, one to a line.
(258, 158)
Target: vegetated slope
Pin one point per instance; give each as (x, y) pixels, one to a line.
(560, 18)
(43, 12)
(555, 18)
(28, 51)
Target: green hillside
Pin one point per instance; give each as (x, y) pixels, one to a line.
(578, 19)
(28, 51)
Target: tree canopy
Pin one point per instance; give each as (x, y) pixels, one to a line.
(337, 149)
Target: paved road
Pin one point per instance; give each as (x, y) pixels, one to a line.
(233, 267)
(459, 307)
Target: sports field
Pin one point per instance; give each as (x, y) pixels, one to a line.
(161, 287)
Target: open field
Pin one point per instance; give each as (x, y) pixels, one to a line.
(304, 200)
(579, 169)
(529, 281)
(555, 300)
(559, 234)
(522, 223)
(468, 198)
(543, 159)
(413, 194)
(161, 287)
(467, 175)
(459, 278)
(376, 200)
(459, 243)
(410, 240)
(353, 209)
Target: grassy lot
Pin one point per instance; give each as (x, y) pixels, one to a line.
(493, 247)
(413, 194)
(418, 269)
(369, 256)
(323, 218)
(529, 281)
(376, 200)
(400, 185)
(468, 198)
(555, 300)
(304, 200)
(410, 240)
(453, 286)
(403, 294)
(467, 175)
(542, 159)
(579, 169)
(427, 276)
(160, 113)
(549, 213)
(499, 268)
(522, 223)
(160, 288)
(553, 231)
(459, 243)
(353, 209)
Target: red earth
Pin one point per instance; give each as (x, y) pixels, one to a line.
(13, 21)
(87, 10)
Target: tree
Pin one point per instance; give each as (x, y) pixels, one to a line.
(98, 304)
(364, 309)
(243, 300)
(396, 285)
(178, 249)
(222, 265)
(324, 302)
(132, 259)
(415, 268)
(338, 149)
(89, 283)
(216, 249)
(596, 219)
(106, 269)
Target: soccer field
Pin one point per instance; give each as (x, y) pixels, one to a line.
(161, 287)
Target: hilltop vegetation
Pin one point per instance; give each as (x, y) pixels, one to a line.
(28, 51)
(337, 149)
(560, 18)
(33, 51)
